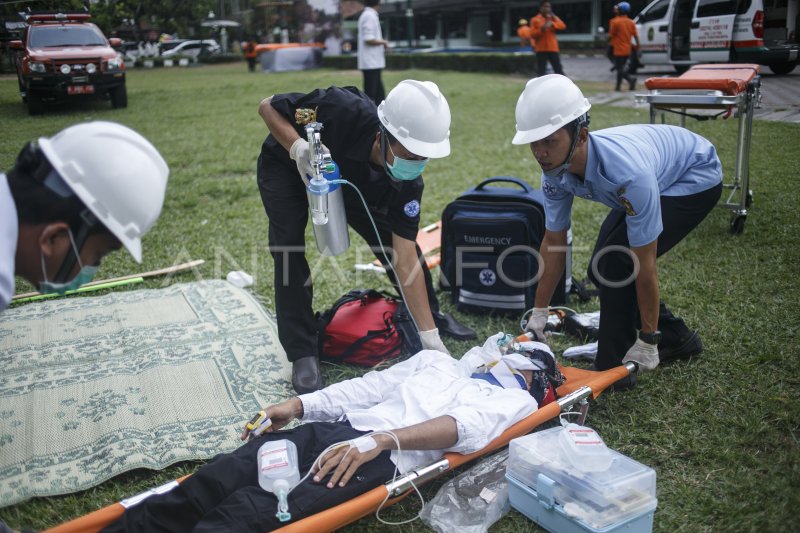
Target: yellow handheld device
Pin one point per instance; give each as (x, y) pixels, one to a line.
(259, 424)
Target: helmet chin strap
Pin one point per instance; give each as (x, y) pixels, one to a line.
(87, 223)
(384, 146)
(559, 171)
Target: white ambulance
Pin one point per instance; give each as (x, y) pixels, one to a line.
(687, 32)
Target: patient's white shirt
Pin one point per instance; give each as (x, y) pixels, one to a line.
(428, 385)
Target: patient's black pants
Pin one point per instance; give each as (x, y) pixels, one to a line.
(619, 309)
(224, 495)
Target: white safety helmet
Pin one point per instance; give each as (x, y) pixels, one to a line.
(547, 104)
(116, 172)
(417, 115)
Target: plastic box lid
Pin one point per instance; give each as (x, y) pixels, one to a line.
(598, 498)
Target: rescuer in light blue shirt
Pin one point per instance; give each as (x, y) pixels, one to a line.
(660, 183)
(628, 168)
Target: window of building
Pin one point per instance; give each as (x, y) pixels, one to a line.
(455, 25)
(425, 27)
(575, 15)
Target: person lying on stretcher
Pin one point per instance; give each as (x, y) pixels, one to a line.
(431, 403)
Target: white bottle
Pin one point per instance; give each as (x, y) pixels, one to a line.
(278, 472)
(584, 448)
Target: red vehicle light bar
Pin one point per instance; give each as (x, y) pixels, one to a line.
(59, 17)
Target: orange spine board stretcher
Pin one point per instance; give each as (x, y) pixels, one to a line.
(367, 503)
(730, 79)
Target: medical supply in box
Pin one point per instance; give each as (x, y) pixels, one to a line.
(568, 481)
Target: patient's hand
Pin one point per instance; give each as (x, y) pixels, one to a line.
(344, 461)
(280, 414)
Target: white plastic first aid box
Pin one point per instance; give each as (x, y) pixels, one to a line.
(566, 480)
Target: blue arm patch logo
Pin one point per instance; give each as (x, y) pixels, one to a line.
(550, 189)
(411, 209)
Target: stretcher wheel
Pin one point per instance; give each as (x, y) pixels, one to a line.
(748, 199)
(737, 224)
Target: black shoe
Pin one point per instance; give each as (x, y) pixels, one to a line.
(306, 376)
(449, 327)
(624, 384)
(632, 84)
(686, 347)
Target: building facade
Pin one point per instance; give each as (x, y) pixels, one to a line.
(466, 23)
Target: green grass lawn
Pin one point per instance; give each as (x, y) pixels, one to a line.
(721, 431)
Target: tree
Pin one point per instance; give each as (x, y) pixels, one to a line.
(176, 16)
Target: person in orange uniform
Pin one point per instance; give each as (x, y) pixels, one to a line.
(524, 33)
(250, 54)
(543, 35)
(621, 32)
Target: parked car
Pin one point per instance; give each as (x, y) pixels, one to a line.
(193, 49)
(687, 32)
(64, 55)
(165, 46)
(130, 51)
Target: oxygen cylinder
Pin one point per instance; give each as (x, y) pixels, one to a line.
(328, 217)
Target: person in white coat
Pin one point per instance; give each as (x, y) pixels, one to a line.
(371, 50)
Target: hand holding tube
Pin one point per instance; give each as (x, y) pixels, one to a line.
(643, 354)
(537, 322)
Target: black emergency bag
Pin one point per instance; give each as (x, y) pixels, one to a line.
(490, 241)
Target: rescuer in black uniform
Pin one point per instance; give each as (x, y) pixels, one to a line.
(382, 151)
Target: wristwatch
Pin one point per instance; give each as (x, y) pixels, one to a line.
(650, 338)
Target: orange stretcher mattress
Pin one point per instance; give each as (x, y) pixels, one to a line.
(731, 79)
(367, 503)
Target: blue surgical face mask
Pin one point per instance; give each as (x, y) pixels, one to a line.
(406, 169)
(84, 276)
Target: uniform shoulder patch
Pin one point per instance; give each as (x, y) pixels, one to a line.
(305, 116)
(625, 202)
(411, 209)
(550, 189)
